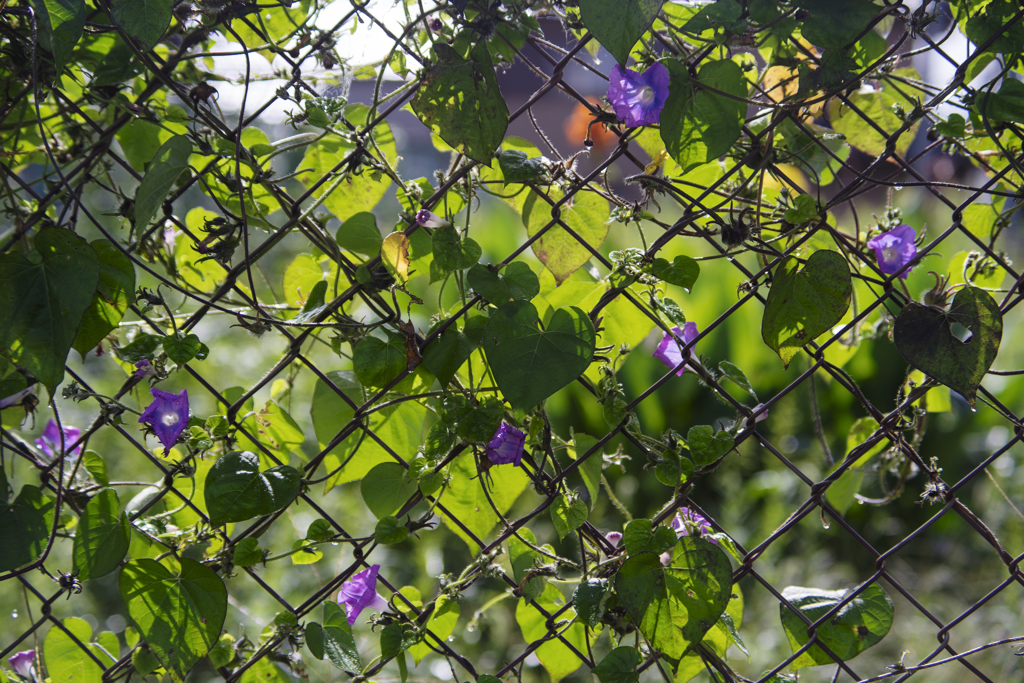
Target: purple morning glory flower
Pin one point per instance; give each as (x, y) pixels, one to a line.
(638, 98)
(895, 249)
(687, 520)
(360, 592)
(49, 442)
(429, 219)
(669, 352)
(22, 662)
(167, 415)
(144, 369)
(506, 446)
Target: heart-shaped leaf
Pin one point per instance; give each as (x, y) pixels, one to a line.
(102, 536)
(42, 301)
(530, 363)
(236, 490)
(566, 516)
(334, 639)
(182, 349)
(682, 272)
(924, 336)
(516, 282)
(386, 488)
(618, 24)
(706, 446)
(378, 362)
(619, 666)
(804, 303)
(168, 163)
(25, 527)
(179, 616)
(446, 354)
(561, 251)
(859, 624)
(116, 291)
(451, 252)
(674, 606)
(516, 167)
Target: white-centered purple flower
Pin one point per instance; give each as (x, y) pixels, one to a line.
(167, 415)
(22, 663)
(144, 369)
(613, 537)
(636, 97)
(687, 522)
(429, 219)
(360, 592)
(895, 249)
(49, 442)
(15, 399)
(670, 353)
(506, 446)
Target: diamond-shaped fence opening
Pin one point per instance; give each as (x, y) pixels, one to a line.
(226, 199)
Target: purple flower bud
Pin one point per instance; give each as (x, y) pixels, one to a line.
(669, 351)
(144, 369)
(429, 219)
(167, 415)
(360, 592)
(638, 98)
(15, 399)
(435, 24)
(687, 520)
(506, 446)
(762, 416)
(49, 442)
(22, 662)
(613, 537)
(895, 249)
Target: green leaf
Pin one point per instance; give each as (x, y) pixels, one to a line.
(555, 656)
(682, 272)
(619, 24)
(196, 598)
(641, 536)
(714, 15)
(676, 605)
(465, 500)
(835, 24)
(588, 600)
(389, 530)
(360, 234)
(43, 299)
(314, 305)
(1005, 105)
(954, 126)
(592, 467)
(451, 252)
(25, 527)
(561, 252)
(982, 26)
(441, 623)
(236, 490)
(707, 447)
(61, 23)
(264, 670)
(697, 124)
(67, 662)
(115, 293)
(474, 422)
(619, 666)
(859, 624)
(459, 100)
(568, 517)
(529, 363)
(357, 193)
(96, 467)
(446, 354)
(170, 161)
(386, 488)
(247, 552)
(377, 362)
(182, 349)
(924, 337)
(877, 110)
(842, 492)
(143, 20)
(338, 643)
(144, 661)
(102, 536)
(803, 304)
(516, 282)
(144, 346)
(732, 372)
(517, 167)
(805, 210)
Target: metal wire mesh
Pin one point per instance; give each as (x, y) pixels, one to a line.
(64, 193)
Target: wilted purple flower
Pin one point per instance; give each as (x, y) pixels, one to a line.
(762, 416)
(22, 662)
(144, 369)
(360, 592)
(49, 442)
(429, 219)
(895, 249)
(613, 537)
(167, 415)
(506, 446)
(638, 98)
(669, 352)
(687, 520)
(15, 399)
(435, 24)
